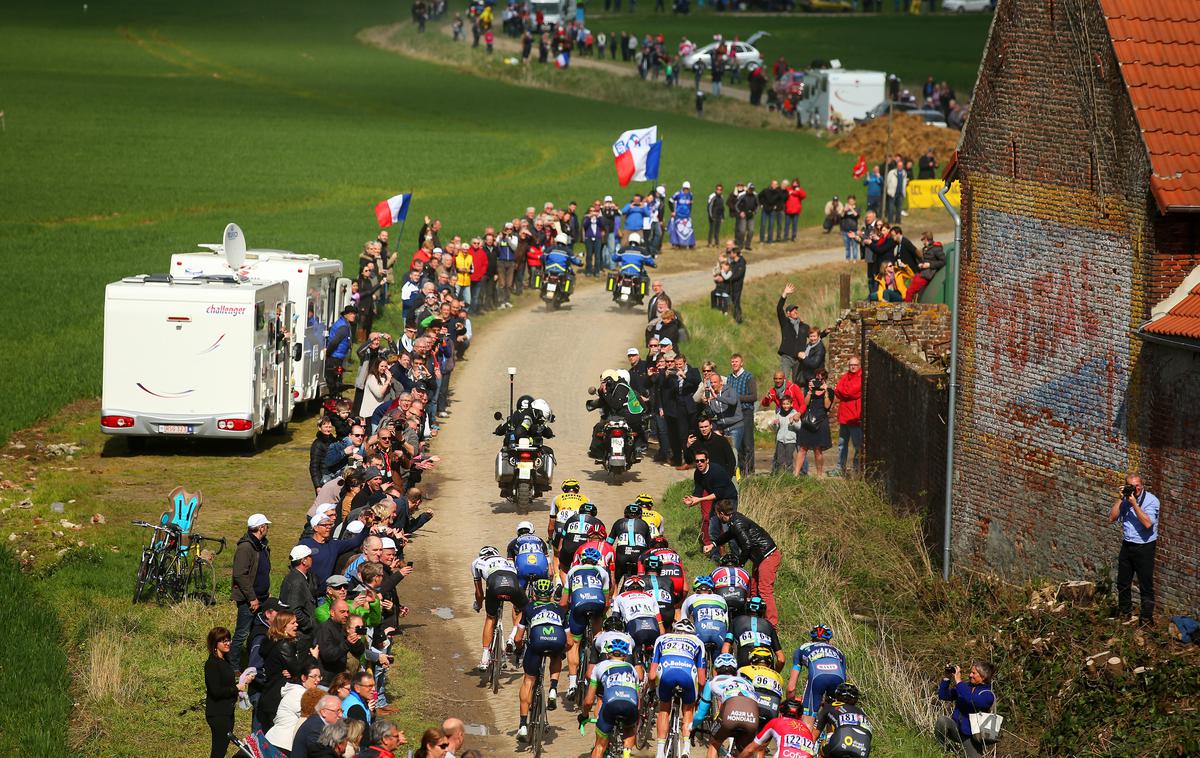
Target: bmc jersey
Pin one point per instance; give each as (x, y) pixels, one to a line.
(821, 659)
(672, 568)
(679, 652)
(792, 738)
(483, 568)
(615, 680)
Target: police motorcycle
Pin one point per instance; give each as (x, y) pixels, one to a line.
(629, 283)
(555, 280)
(525, 465)
(617, 438)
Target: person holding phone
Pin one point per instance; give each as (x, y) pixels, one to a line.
(1137, 511)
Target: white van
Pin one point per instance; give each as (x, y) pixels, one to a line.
(557, 12)
(195, 358)
(838, 94)
(317, 292)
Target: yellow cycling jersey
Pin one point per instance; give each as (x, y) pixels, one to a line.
(764, 679)
(568, 501)
(654, 519)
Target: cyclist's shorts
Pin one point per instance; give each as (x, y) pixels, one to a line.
(644, 631)
(611, 711)
(711, 632)
(581, 608)
(848, 742)
(768, 706)
(669, 679)
(532, 566)
(738, 718)
(501, 586)
(536, 650)
(735, 599)
(566, 555)
(627, 562)
(815, 690)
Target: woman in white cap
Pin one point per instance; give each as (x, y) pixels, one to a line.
(683, 234)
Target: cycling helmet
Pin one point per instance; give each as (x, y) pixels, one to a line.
(524, 528)
(725, 662)
(659, 541)
(570, 485)
(791, 708)
(488, 552)
(821, 633)
(635, 239)
(616, 647)
(633, 510)
(524, 402)
(599, 531)
(542, 407)
(729, 560)
(756, 606)
(587, 509)
(846, 693)
(591, 556)
(684, 626)
(652, 563)
(542, 588)
(703, 583)
(635, 584)
(759, 656)
(613, 624)
(644, 500)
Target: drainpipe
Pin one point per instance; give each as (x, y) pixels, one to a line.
(946, 531)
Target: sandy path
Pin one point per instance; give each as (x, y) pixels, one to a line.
(557, 355)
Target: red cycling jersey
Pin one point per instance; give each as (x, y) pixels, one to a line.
(609, 555)
(793, 738)
(672, 568)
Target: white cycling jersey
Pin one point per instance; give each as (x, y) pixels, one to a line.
(635, 605)
(482, 568)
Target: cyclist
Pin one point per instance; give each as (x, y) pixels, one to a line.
(630, 537)
(659, 588)
(730, 698)
(826, 667)
(499, 575)
(708, 613)
(767, 683)
(793, 738)
(638, 609)
(649, 515)
(616, 681)
(751, 630)
(546, 622)
(586, 590)
(598, 540)
(574, 532)
(850, 732)
(732, 583)
(672, 566)
(678, 663)
(530, 554)
(614, 629)
(564, 507)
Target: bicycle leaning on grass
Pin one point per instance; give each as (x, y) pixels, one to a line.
(177, 565)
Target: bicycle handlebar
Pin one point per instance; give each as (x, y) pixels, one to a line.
(155, 527)
(197, 537)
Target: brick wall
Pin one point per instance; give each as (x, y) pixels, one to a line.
(1064, 255)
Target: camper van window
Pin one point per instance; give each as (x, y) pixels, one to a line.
(260, 320)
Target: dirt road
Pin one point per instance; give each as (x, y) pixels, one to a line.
(557, 356)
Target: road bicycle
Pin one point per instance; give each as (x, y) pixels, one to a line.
(538, 721)
(616, 739)
(647, 706)
(497, 665)
(158, 547)
(187, 573)
(586, 652)
(674, 747)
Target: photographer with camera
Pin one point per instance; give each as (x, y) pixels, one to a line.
(972, 696)
(1137, 510)
(814, 432)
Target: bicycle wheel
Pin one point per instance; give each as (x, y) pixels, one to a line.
(537, 713)
(143, 571)
(171, 581)
(202, 582)
(581, 681)
(646, 721)
(674, 734)
(497, 652)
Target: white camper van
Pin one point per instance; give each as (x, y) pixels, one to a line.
(195, 358)
(836, 93)
(317, 292)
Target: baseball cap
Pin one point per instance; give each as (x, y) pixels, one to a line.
(348, 310)
(337, 580)
(608, 198)
(791, 307)
(665, 342)
(388, 543)
(661, 190)
(257, 520)
(274, 604)
(438, 250)
(633, 351)
(372, 473)
(354, 527)
(300, 552)
(319, 519)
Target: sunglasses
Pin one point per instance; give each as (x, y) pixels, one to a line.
(444, 745)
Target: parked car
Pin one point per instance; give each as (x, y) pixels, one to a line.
(962, 6)
(747, 54)
(932, 117)
(882, 110)
(825, 6)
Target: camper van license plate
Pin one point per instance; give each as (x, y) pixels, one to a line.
(175, 428)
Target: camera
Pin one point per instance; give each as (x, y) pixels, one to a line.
(1128, 490)
(950, 669)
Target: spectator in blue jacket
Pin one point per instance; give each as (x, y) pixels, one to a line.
(972, 696)
(341, 453)
(326, 550)
(635, 215)
(341, 334)
(874, 184)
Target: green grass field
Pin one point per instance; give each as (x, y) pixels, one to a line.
(945, 46)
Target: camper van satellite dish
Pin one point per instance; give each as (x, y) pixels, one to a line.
(235, 246)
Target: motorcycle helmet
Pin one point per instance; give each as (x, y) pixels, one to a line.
(617, 646)
(725, 663)
(644, 500)
(821, 633)
(570, 485)
(791, 708)
(623, 375)
(635, 584)
(684, 626)
(523, 402)
(613, 624)
(756, 606)
(653, 564)
(542, 588)
(846, 693)
(759, 656)
(591, 556)
(703, 583)
(729, 560)
(588, 509)
(562, 239)
(633, 510)
(524, 528)
(488, 552)
(542, 407)
(635, 239)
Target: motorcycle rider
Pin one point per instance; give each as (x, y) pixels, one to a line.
(557, 259)
(614, 397)
(632, 261)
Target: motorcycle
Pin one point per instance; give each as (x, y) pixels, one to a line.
(555, 289)
(627, 290)
(615, 443)
(524, 467)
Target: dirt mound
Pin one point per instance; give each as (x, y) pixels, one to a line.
(911, 137)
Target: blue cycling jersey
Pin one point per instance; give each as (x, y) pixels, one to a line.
(616, 680)
(819, 658)
(546, 624)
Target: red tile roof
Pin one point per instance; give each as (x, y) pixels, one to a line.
(1183, 320)
(1157, 43)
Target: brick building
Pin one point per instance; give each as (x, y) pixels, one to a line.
(1080, 170)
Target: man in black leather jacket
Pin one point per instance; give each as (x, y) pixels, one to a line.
(756, 544)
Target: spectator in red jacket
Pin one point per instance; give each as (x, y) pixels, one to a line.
(849, 395)
(479, 271)
(792, 208)
(784, 387)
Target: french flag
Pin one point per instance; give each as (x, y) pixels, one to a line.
(393, 210)
(562, 60)
(637, 154)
